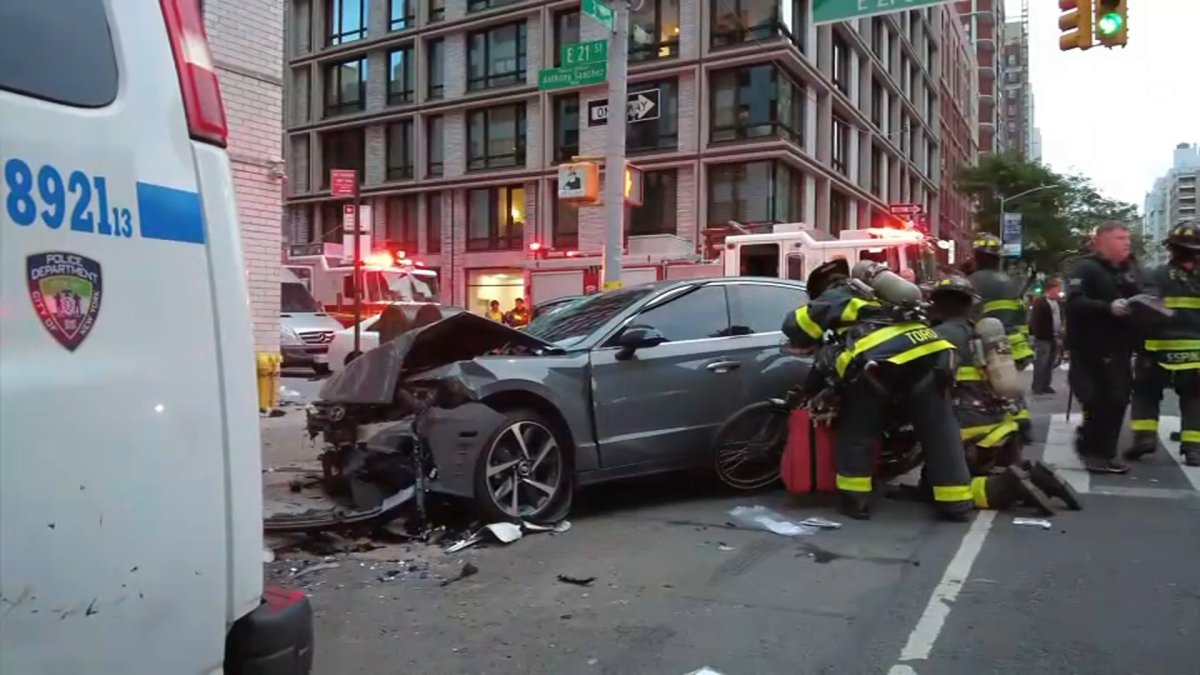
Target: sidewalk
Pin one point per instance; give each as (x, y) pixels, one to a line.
(288, 455)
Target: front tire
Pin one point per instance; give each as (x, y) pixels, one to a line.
(525, 471)
(750, 445)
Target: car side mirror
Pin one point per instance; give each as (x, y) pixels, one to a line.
(638, 337)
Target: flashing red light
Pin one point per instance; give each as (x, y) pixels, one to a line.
(535, 246)
(400, 255)
(405, 261)
(572, 254)
(419, 263)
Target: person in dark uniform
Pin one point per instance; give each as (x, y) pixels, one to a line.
(1171, 354)
(1001, 297)
(1101, 339)
(881, 361)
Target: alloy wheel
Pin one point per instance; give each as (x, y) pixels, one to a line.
(525, 469)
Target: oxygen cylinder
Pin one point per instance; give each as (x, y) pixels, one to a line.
(889, 286)
(998, 359)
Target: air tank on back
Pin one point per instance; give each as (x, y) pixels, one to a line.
(998, 359)
(889, 286)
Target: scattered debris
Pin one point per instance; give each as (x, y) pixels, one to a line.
(268, 555)
(817, 521)
(1036, 522)
(317, 568)
(762, 518)
(468, 569)
(577, 581)
(505, 533)
(704, 671)
(557, 528)
(722, 546)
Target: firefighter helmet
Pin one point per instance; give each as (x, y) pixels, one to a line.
(1185, 235)
(825, 274)
(954, 285)
(987, 243)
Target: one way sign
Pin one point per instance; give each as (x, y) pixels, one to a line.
(643, 106)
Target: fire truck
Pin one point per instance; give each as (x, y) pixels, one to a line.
(388, 278)
(783, 250)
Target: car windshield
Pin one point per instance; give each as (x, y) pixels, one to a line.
(572, 322)
(404, 287)
(294, 298)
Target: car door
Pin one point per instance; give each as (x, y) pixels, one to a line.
(757, 311)
(662, 405)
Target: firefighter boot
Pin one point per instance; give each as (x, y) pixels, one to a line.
(954, 512)
(1144, 443)
(1046, 479)
(1191, 456)
(1011, 487)
(856, 505)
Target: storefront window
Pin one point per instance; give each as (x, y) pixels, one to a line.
(501, 285)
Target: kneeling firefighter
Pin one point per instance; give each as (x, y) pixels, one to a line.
(886, 356)
(1171, 354)
(1001, 298)
(985, 383)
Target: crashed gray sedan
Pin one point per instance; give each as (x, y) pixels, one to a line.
(615, 385)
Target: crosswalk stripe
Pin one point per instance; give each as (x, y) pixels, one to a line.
(1060, 452)
(1167, 426)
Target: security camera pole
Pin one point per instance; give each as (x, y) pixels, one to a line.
(614, 161)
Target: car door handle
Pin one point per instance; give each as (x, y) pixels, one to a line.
(723, 366)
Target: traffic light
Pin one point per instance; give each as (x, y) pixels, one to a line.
(1112, 23)
(1075, 25)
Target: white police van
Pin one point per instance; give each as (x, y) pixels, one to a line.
(130, 488)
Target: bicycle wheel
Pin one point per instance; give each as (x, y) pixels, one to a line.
(750, 444)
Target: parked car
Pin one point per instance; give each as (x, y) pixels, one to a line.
(619, 384)
(305, 330)
(341, 345)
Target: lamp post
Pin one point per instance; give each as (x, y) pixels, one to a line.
(1004, 200)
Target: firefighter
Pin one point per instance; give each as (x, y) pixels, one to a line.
(1171, 354)
(883, 360)
(1001, 297)
(989, 433)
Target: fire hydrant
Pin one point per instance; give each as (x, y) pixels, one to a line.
(269, 367)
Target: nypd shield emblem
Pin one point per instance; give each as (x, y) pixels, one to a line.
(66, 290)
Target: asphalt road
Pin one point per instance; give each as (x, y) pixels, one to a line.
(1112, 589)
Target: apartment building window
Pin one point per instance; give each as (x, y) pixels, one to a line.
(566, 31)
(346, 87)
(496, 56)
(659, 211)
(755, 102)
(878, 30)
(839, 212)
(435, 137)
(654, 30)
(659, 134)
(342, 149)
(566, 127)
(877, 171)
(400, 152)
(402, 222)
(739, 21)
(564, 230)
(496, 137)
(877, 94)
(481, 5)
(401, 76)
(496, 218)
(346, 21)
(437, 10)
(841, 64)
(329, 229)
(753, 193)
(433, 222)
(841, 144)
(403, 14)
(437, 68)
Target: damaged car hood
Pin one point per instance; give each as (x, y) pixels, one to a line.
(372, 378)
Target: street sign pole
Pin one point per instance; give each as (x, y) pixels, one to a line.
(358, 276)
(614, 163)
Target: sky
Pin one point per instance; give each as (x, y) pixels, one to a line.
(1117, 115)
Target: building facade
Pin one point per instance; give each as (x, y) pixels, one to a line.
(764, 118)
(1016, 114)
(959, 124)
(1173, 199)
(984, 21)
(246, 39)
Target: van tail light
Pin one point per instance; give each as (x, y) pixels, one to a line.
(197, 78)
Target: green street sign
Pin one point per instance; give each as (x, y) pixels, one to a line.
(595, 51)
(599, 11)
(580, 75)
(829, 11)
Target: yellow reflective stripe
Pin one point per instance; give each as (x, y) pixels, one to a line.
(1023, 330)
(854, 483)
(1001, 305)
(807, 325)
(1143, 425)
(871, 341)
(971, 433)
(998, 435)
(1022, 414)
(979, 491)
(1183, 302)
(1172, 345)
(917, 352)
(1020, 346)
(1189, 436)
(1181, 366)
(850, 313)
(952, 493)
(969, 374)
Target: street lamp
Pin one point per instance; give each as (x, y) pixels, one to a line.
(1004, 200)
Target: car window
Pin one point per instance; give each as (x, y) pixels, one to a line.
(80, 68)
(761, 308)
(577, 320)
(703, 313)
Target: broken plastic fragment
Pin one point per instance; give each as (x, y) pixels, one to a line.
(762, 518)
(505, 533)
(817, 521)
(705, 671)
(1037, 522)
(577, 581)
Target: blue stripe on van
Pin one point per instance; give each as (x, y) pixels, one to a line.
(169, 214)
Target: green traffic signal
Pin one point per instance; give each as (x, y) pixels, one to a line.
(1109, 24)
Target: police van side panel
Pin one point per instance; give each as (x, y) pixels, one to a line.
(130, 501)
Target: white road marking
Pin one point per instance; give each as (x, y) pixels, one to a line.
(929, 626)
(1060, 451)
(1167, 426)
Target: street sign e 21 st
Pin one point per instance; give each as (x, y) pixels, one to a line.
(595, 51)
(829, 11)
(641, 106)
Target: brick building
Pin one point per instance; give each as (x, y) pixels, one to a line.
(765, 118)
(959, 122)
(246, 39)
(984, 20)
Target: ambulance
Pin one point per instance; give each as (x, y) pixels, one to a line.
(389, 277)
(130, 464)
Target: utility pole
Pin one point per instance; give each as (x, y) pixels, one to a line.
(614, 161)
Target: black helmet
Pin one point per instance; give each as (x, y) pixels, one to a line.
(825, 274)
(954, 285)
(987, 243)
(1185, 235)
